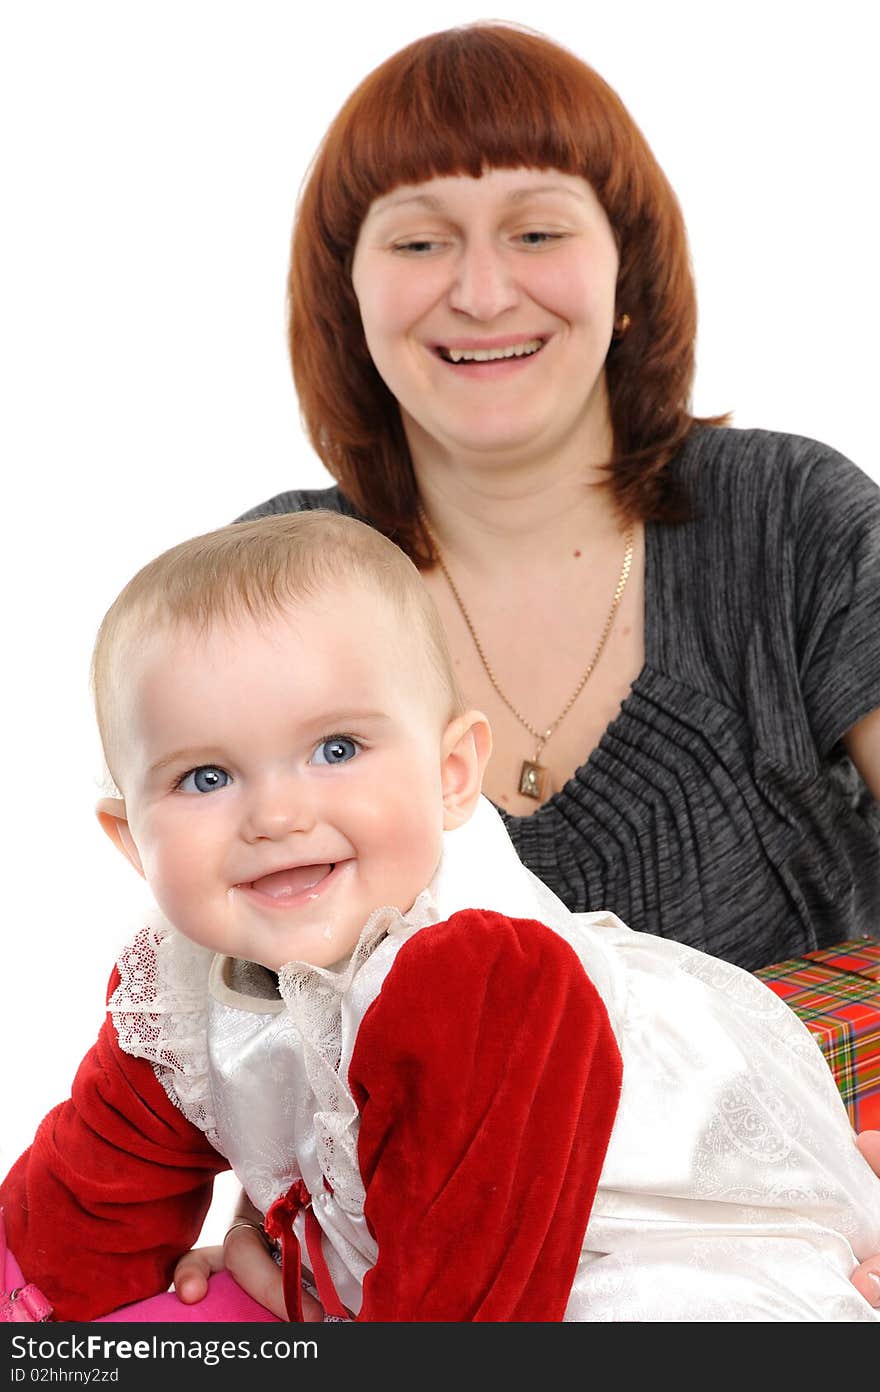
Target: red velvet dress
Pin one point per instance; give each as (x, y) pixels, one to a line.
(485, 1076)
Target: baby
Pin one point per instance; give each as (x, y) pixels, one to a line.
(354, 993)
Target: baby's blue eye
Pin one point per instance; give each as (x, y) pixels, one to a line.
(205, 779)
(337, 750)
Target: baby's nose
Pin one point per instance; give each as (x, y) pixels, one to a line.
(277, 808)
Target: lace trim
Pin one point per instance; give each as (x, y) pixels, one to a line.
(314, 997)
(159, 1012)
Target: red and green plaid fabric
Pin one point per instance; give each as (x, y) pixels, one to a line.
(836, 992)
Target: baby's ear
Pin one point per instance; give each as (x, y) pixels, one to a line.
(467, 744)
(110, 812)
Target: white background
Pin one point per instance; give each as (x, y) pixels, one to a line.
(152, 153)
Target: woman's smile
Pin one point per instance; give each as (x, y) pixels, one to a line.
(489, 350)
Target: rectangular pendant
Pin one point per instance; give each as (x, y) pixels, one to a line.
(532, 778)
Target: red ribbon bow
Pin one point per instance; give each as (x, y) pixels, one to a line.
(278, 1223)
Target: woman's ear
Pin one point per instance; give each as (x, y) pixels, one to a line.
(467, 744)
(110, 812)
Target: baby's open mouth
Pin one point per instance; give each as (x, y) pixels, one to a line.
(526, 349)
(284, 884)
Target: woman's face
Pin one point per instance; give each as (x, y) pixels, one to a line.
(488, 306)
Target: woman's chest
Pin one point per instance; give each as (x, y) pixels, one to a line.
(542, 661)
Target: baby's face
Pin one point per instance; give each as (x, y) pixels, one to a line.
(282, 781)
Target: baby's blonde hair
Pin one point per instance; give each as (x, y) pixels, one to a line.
(255, 570)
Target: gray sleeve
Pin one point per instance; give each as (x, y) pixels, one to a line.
(838, 597)
(301, 500)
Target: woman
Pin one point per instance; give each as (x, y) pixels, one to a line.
(492, 323)
(715, 808)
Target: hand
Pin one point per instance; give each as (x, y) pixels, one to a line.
(245, 1256)
(866, 1278)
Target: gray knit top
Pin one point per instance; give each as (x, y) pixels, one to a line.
(719, 808)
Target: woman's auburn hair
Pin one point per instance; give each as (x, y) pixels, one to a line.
(463, 101)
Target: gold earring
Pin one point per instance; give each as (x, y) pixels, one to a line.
(621, 324)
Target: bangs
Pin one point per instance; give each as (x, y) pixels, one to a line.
(462, 102)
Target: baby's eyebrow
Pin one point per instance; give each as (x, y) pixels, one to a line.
(191, 757)
(339, 721)
(345, 716)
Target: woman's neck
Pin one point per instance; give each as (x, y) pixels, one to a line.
(481, 520)
(484, 508)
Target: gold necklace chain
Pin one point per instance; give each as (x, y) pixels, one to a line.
(533, 774)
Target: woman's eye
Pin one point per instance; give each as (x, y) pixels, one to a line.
(538, 238)
(338, 750)
(418, 246)
(205, 779)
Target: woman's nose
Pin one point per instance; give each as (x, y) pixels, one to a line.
(483, 286)
(277, 808)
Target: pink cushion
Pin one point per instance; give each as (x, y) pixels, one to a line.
(225, 1303)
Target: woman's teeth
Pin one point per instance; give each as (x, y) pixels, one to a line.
(517, 350)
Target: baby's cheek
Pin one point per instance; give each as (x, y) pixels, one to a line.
(417, 846)
(176, 877)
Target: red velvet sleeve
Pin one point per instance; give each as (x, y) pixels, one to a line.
(112, 1191)
(488, 1078)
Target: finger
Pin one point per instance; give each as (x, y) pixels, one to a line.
(252, 1267)
(193, 1270)
(868, 1143)
(866, 1279)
